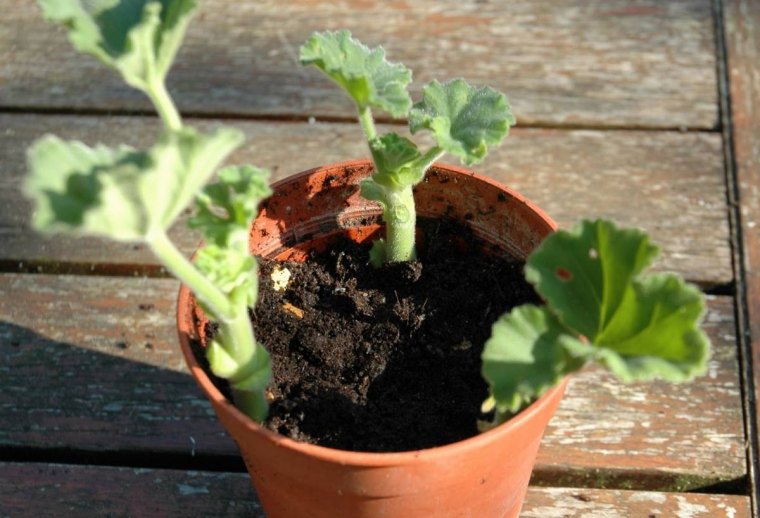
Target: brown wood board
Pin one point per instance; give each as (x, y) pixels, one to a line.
(669, 183)
(618, 63)
(742, 19)
(92, 363)
(69, 490)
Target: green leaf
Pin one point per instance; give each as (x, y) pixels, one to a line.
(526, 354)
(121, 193)
(138, 38)
(464, 120)
(226, 208)
(229, 269)
(71, 193)
(397, 160)
(591, 279)
(363, 73)
(590, 266)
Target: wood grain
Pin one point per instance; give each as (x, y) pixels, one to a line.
(669, 183)
(742, 18)
(618, 63)
(78, 373)
(66, 490)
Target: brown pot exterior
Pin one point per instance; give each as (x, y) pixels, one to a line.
(484, 476)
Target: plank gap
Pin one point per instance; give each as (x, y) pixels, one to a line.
(642, 480)
(123, 459)
(43, 267)
(296, 118)
(741, 309)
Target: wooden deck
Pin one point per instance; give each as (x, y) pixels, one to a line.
(644, 111)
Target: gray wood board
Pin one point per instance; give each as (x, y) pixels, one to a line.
(618, 63)
(66, 490)
(92, 363)
(669, 183)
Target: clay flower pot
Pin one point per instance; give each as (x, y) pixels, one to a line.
(483, 476)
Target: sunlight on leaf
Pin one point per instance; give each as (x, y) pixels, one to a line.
(364, 73)
(464, 120)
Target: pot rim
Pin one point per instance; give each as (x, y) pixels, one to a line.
(350, 457)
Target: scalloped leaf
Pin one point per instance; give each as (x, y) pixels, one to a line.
(121, 193)
(364, 73)
(591, 279)
(225, 208)
(463, 119)
(525, 356)
(138, 38)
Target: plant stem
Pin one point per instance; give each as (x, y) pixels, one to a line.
(400, 219)
(254, 370)
(187, 273)
(367, 123)
(164, 105)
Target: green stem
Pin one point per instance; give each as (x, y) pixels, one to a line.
(367, 123)
(254, 368)
(187, 273)
(164, 105)
(433, 155)
(400, 220)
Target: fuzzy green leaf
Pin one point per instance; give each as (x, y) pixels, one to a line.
(526, 355)
(398, 161)
(364, 73)
(138, 38)
(226, 208)
(121, 193)
(463, 119)
(591, 279)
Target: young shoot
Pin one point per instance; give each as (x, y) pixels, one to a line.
(463, 120)
(136, 195)
(599, 307)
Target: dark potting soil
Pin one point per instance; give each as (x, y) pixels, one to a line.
(384, 359)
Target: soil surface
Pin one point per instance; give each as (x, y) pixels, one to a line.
(387, 359)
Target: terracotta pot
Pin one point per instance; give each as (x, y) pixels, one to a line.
(485, 476)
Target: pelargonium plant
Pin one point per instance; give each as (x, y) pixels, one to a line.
(463, 120)
(599, 304)
(599, 307)
(136, 195)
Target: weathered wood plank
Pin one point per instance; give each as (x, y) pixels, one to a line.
(77, 373)
(669, 183)
(633, 63)
(742, 19)
(589, 503)
(70, 490)
(67, 490)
